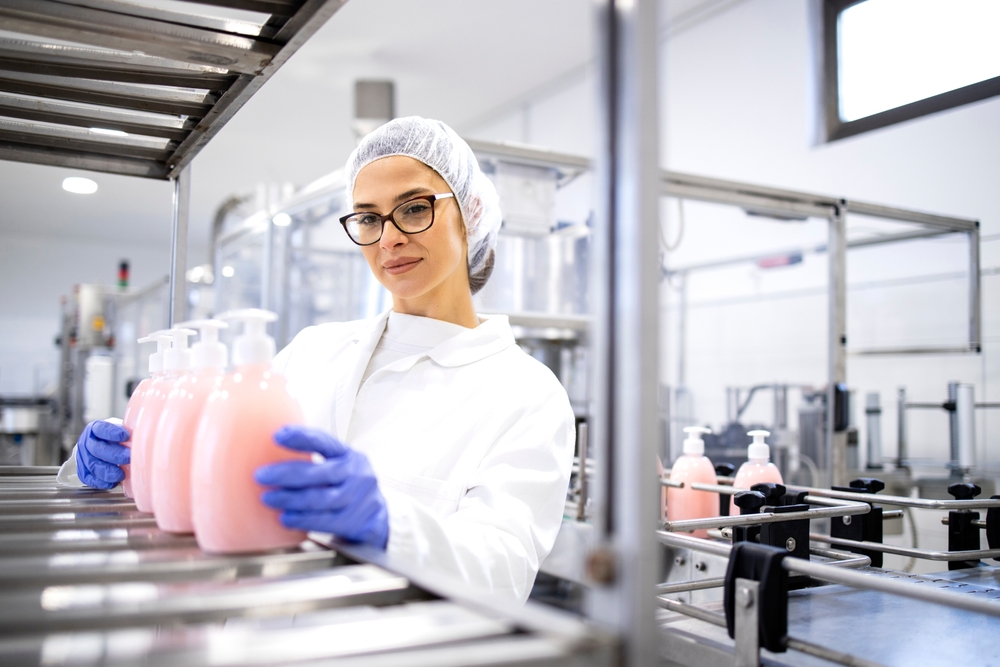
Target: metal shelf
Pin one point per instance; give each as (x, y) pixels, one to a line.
(123, 88)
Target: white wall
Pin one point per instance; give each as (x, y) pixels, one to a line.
(738, 104)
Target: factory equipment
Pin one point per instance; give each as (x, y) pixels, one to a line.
(86, 579)
(767, 585)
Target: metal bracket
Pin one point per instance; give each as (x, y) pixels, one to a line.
(863, 528)
(747, 623)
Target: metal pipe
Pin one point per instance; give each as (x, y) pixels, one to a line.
(978, 523)
(875, 582)
(684, 586)
(925, 554)
(694, 543)
(689, 525)
(178, 247)
(892, 514)
(900, 501)
(836, 450)
(828, 653)
(901, 449)
(975, 298)
(953, 428)
(841, 558)
(873, 424)
(965, 427)
(692, 611)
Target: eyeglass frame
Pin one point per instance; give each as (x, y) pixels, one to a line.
(384, 218)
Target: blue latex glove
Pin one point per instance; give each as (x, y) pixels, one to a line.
(99, 453)
(339, 496)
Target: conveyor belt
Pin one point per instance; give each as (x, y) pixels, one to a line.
(87, 579)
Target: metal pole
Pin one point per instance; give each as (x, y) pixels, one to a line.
(975, 303)
(836, 451)
(178, 247)
(625, 272)
(901, 448)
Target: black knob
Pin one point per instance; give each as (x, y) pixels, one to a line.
(749, 502)
(772, 492)
(964, 490)
(868, 484)
(725, 469)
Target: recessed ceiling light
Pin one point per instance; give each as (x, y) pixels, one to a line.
(228, 271)
(282, 219)
(110, 133)
(79, 186)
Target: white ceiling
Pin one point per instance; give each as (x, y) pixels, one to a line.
(455, 60)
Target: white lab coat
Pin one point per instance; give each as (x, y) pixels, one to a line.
(472, 443)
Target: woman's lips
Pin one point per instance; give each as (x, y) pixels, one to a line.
(398, 266)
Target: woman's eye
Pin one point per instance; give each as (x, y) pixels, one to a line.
(416, 208)
(367, 220)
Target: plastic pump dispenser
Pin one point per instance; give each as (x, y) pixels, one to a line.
(757, 469)
(234, 438)
(133, 410)
(692, 467)
(171, 478)
(176, 360)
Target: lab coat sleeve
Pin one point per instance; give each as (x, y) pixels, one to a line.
(508, 518)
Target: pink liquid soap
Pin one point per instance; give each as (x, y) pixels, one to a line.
(757, 469)
(234, 438)
(171, 476)
(692, 467)
(136, 401)
(144, 438)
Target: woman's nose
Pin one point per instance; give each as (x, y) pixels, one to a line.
(391, 237)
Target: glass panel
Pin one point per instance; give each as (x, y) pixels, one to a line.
(894, 52)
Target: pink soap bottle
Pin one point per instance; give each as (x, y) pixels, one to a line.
(691, 467)
(757, 469)
(135, 402)
(176, 360)
(234, 438)
(171, 478)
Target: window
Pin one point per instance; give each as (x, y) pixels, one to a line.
(888, 61)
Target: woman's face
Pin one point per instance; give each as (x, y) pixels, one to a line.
(418, 269)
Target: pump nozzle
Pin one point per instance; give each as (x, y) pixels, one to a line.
(254, 346)
(208, 352)
(693, 444)
(178, 357)
(162, 341)
(758, 449)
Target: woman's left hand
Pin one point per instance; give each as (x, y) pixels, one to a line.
(339, 496)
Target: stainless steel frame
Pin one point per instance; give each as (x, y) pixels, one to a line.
(145, 71)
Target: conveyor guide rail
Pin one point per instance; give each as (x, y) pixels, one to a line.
(124, 88)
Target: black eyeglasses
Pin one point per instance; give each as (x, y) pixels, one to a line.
(410, 217)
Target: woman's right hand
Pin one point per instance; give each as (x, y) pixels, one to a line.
(99, 453)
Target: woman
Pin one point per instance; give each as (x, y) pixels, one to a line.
(444, 443)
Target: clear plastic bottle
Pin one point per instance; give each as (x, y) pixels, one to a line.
(692, 466)
(138, 397)
(757, 469)
(235, 437)
(176, 360)
(171, 478)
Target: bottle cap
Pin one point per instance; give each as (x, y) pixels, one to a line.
(253, 346)
(693, 444)
(162, 341)
(208, 352)
(178, 356)
(758, 449)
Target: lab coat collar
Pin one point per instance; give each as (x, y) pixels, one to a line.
(493, 335)
(365, 339)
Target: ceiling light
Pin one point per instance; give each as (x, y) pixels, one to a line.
(228, 271)
(110, 133)
(282, 219)
(79, 186)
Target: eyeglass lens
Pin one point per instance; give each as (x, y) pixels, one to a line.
(411, 217)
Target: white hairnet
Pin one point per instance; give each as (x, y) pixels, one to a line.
(436, 145)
